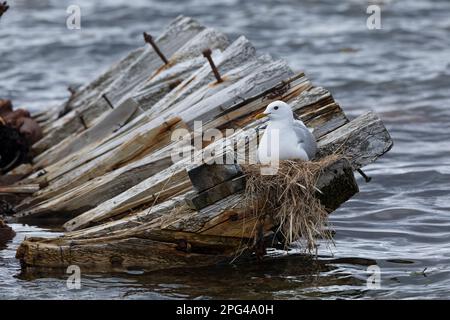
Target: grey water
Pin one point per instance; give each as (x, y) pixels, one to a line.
(400, 221)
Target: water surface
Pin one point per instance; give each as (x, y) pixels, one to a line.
(400, 221)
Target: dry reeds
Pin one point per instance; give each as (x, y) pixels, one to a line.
(290, 198)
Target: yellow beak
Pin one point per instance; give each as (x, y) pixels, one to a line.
(260, 116)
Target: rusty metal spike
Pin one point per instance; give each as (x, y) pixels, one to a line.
(367, 178)
(107, 101)
(207, 54)
(149, 39)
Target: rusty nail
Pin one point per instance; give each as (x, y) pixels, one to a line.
(207, 54)
(149, 39)
(107, 101)
(364, 175)
(82, 121)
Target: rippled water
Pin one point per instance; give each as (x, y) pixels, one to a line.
(399, 221)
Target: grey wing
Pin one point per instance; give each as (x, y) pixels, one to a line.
(306, 139)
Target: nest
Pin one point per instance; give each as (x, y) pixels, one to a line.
(290, 198)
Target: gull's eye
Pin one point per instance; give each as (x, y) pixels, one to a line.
(276, 108)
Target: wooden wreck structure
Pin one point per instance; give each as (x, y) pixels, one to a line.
(104, 168)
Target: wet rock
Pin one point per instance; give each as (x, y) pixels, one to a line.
(29, 129)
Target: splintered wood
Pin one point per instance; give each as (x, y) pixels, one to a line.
(105, 167)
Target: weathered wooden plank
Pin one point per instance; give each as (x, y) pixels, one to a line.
(91, 193)
(151, 91)
(95, 87)
(241, 49)
(262, 79)
(240, 55)
(159, 85)
(107, 162)
(112, 122)
(113, 255)
(362, 140)
(218, 192)
(23, 171)
(137, 219)
(174, 37)
(148, 191)
(154, 189)
(25, 188)
(235, 62)
(206, 176)
(241, 113)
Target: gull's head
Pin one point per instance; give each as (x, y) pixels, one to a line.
(278, 110)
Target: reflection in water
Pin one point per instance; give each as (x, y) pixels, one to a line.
(399, 221)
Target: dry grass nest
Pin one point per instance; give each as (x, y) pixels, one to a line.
(290, 198)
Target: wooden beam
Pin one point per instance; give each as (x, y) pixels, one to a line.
(111, 256)
(113, 121)
(363, 140)
(206, 176)
(218, 192)
(27, 188)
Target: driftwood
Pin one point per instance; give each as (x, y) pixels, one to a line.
(153, 89)
(240, 48)
(96, 191)
(239, 52)
(200, 237)
(140, 141)
(177, 34)
(112, 122)
(127, 202)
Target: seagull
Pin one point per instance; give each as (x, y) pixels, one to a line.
(285, 138)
